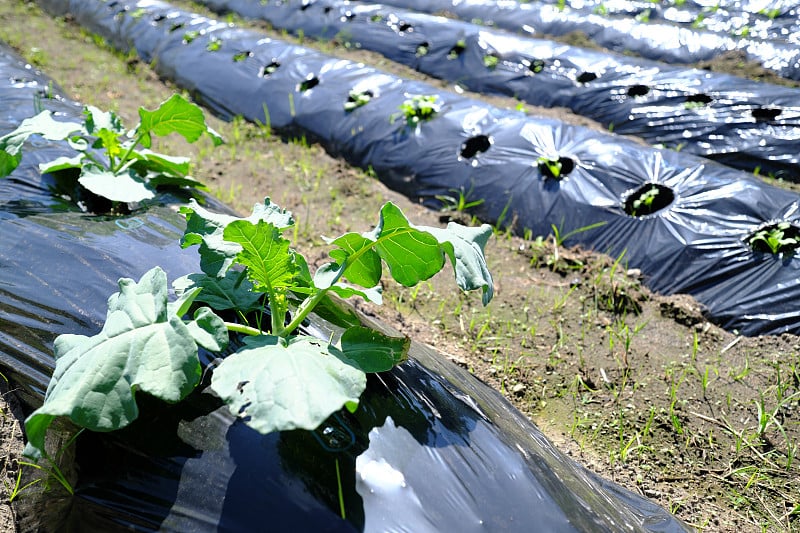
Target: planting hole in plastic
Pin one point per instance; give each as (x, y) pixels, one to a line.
(241, 56)
(176, 27)
(310, 82)
(475, 145)
(765, 114)
(586, 77)
(305, 5)
(357, 99)
(648, 199)
(423, 49)
(376, 18)
(535, 66)
(159, 18)
(638, 90)
(776, 238)
(457, 50)
(269, 69)
(556, 169)
(113, 4)
(327, 9)
(405, 27)
(700, 98)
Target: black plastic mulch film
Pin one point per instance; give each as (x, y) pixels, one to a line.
(429, 449)
(659, 40)
(697, 244)
(741, 123)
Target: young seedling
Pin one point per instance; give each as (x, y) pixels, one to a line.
(279, 378)
(357, 99)
(457, 49)
(550, 167)
(490, 61)
(780, 238)
(645, 201)
(418, 108)
(112, 162)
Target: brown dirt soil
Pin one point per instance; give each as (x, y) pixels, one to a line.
(638, 387)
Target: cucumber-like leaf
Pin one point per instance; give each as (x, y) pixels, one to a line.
(205, 228)
(123, 187)
(141, 347)
(373, 351)
(62, 163)
(175, 115)
(229, 292)
(208, 330)
(41, 124)
(277, 385)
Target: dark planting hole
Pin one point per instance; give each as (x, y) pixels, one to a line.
(638, 90)
(457, 50)
(269, 69)
(475, 145)
(176, 27)
(327, 9)
(777, 238)
(648, 199)
(348, 17)
(159, 18)
(535, 66)
(310, 83)
(305, 5)
(241, 56)
(556, 168)
(765, 114)
(699, 99)
(586, 77)
(112, 5)
(423, 49)
(405, 27)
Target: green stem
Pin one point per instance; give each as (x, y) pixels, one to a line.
(241, 328)
(127, 154)
(305, 308)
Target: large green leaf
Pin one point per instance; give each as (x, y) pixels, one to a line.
(42, 124)
(327, 275)
(175, 115)
(62, 163)
(276, 387)
(373, 351)
(205, 228)
(155, 162)
(142, 346)
(124, 187)
(229, 292)
(97, 119)
(415, 253)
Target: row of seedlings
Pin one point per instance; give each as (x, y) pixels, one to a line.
(428, 144)
(738, 122)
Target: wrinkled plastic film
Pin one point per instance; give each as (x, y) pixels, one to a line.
(193, 467)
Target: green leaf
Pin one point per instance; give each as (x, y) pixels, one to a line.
(229, 292)
(42, 124)
(326, 278)
(110, 141)
(206, 228)
(155, 162)
(141, 347)
(416, 253)
(97, 119)
(373, 351)
(208, 330)
(276, 387)
(175, 115)
(62, 163)
(125, 187)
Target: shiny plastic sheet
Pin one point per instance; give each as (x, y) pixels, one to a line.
(697, 244)
(657, 40)
(738, 122)
(429, 449)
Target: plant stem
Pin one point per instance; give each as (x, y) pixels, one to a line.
(127, 154)
(241, 328)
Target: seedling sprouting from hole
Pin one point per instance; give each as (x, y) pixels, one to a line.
(554, 168)
(535, 66)
(376, 18)
(418, 108)
(490, 61)
(214, 45)
(175, 27)
(422, 49)
(309, 83)
(139, 13)
(778, 238)
(190, 36)
(765, 114)
(357, 99)
(269, 69)
(638, 90)
(475, 145)
(241, 56)
(697, 100)
(586, 77)
(457, 50)
(126, 172)
(648, 199)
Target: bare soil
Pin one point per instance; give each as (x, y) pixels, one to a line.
(640, 388)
